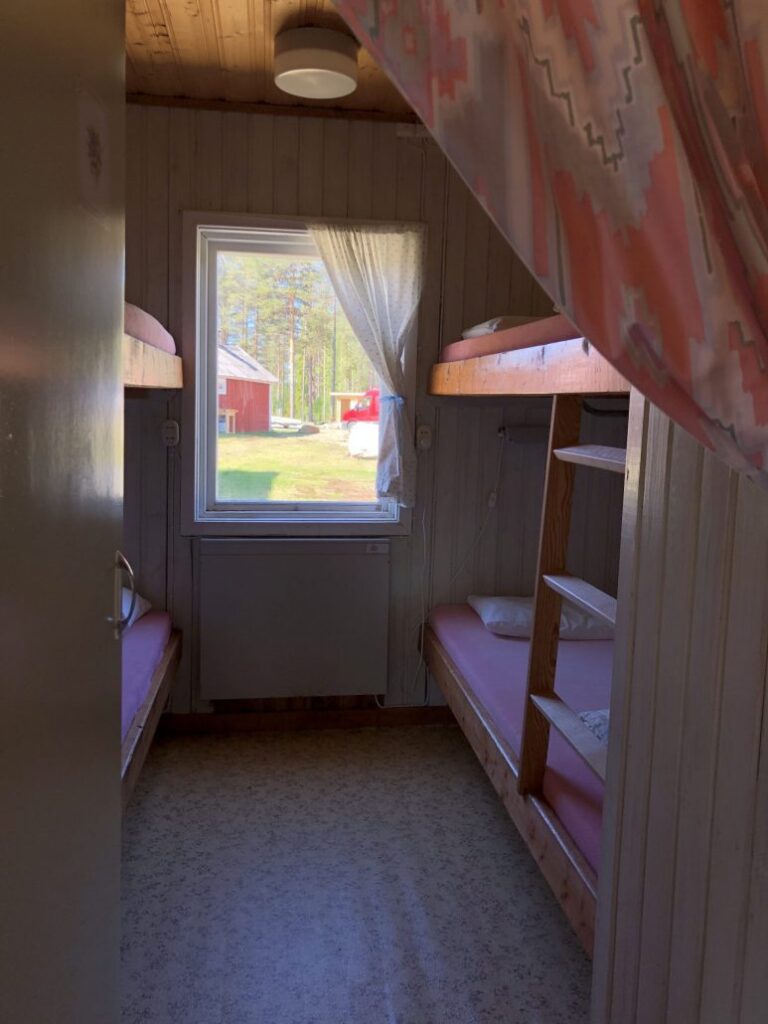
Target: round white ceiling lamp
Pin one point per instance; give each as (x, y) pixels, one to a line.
(315, 63)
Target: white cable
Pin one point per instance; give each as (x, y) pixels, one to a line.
(423, 623)
(421, 627)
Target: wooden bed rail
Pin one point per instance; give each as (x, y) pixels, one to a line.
(139, 737)
(147, 367)
(567, 872)
(572, 367)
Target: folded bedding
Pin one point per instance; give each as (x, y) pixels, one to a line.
(144, 327)
(598, 722)
(527, 335)
(496, 668)
(143, 645)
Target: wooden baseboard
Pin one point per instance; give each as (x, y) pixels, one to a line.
(288, 721)
(570, 877)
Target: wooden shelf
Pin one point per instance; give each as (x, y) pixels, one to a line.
(571, 367)
(592, 750)
(585, 596)
(598, 456)
(145, 366)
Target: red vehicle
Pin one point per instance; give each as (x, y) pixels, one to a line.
(366, 410)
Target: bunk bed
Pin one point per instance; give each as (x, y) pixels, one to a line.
(149, 352)
(508, 694)
(151, 648)
(150, 654)
(543, 357)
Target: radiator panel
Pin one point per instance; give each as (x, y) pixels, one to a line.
(292, 618)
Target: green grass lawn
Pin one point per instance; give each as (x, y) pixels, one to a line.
(282, 466)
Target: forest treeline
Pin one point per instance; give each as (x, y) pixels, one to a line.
(283, 311)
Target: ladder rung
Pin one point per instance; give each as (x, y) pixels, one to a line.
(599, 456)
(593, 751)
(585, 596)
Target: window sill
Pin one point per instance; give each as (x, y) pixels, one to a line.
(283, 528)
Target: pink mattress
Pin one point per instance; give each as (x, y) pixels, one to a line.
(143, 646)
(146, 328)
(496, 669)
(538, 332)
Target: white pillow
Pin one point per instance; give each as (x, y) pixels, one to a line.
(497, 323)
(598, 722)
(513, 616)
(141, 607)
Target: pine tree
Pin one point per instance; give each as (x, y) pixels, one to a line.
(283, 311)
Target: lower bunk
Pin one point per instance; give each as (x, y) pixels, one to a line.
(483, 678)
(150, 653)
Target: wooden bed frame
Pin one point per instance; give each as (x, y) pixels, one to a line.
(568, 371)
(571, 367)
(144, 725)
(570, 877)
(145, 366)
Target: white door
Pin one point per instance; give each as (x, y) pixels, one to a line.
(61, 269)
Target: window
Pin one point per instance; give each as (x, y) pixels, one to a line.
(287, 402)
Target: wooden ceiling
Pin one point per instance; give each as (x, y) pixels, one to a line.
(211, 52)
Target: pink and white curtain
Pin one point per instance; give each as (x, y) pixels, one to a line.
(621, 146)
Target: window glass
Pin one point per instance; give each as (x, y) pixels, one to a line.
(288, 402)
(296, 410)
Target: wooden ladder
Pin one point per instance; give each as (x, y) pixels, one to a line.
(543, 708)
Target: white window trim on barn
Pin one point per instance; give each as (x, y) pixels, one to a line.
(202, 514)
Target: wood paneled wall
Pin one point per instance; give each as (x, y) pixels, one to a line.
(204, 160)
(683, 920)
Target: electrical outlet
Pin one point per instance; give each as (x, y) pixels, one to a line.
(424, 437)
(170, 433)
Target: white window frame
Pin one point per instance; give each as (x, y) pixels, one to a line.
(202, 514)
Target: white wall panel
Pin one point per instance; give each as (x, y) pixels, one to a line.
(684, 889)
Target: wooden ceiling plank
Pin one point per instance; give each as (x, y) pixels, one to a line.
(186, 30)
(151, 62)
(240, 48)
(210, 16)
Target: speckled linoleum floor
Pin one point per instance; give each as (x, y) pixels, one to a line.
(360, 877)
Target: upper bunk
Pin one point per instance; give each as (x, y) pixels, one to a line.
(149, 352)
(537, 357)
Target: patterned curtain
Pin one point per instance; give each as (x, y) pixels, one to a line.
(621, 146)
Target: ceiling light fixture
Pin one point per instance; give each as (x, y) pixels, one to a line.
(315, 63)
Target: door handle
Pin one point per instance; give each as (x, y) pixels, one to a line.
(117, 619)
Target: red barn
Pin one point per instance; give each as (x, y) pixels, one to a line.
(244, 397)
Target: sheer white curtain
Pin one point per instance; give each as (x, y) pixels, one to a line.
(377, 273)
